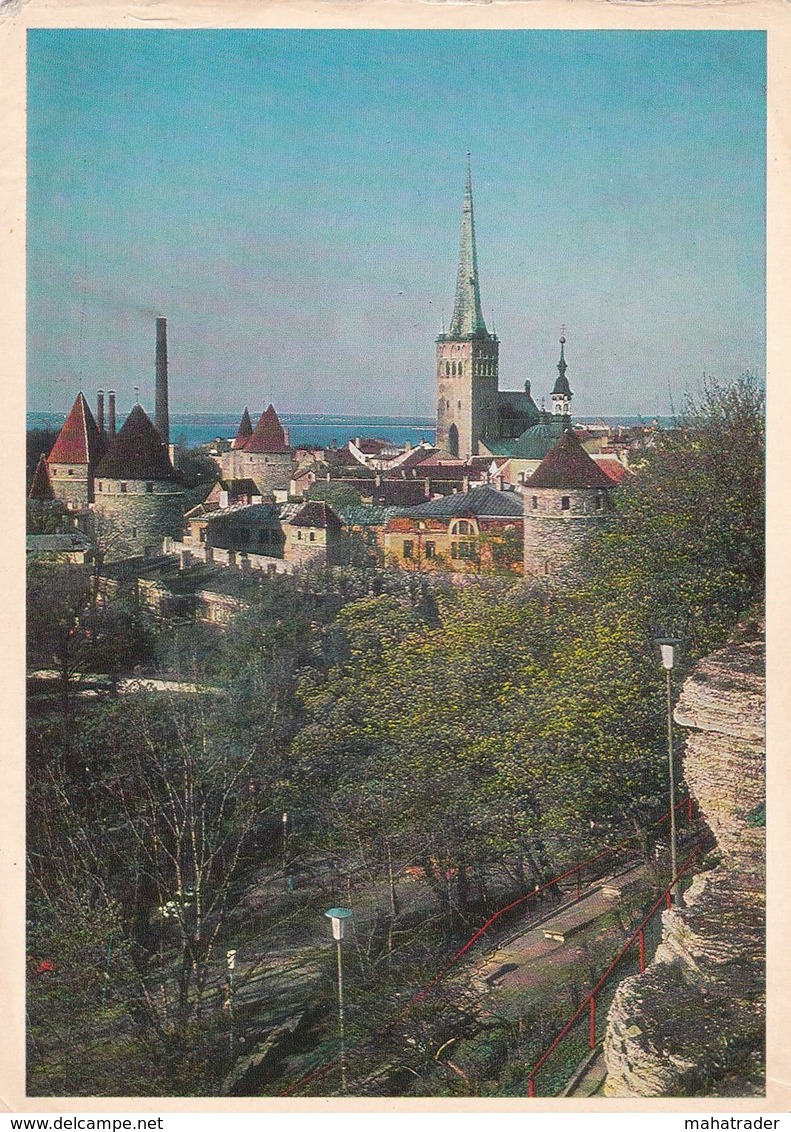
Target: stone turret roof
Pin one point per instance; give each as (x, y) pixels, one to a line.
(467, 320)
(245, 430)
(568, 465)
(41, 487)
(79, 441)
(138, 452)
(268, 436)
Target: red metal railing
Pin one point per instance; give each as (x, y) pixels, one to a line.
(685, 804)
(589, 1003)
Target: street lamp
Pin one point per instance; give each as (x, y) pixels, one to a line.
(667, 651)
(339, 916)
(284, 843)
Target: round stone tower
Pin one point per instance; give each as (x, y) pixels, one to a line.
(138, 492)
(566, 498)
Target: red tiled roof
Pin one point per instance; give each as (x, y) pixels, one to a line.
(268, 435)
(613, 468)
(316, 513)
(138, 452)
(441, 458)
(79, 441)
(245, 430)
(41, 487)
(567, 464)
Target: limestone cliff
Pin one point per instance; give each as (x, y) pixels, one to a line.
(693, 1023)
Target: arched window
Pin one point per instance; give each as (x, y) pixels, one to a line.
(461, 368)
(447, 369)
(454, 369)
(453, 439)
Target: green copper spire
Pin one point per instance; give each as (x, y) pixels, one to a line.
(467, 315)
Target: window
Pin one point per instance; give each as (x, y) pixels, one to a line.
(461, 368)
(454, 550)
(430, 549)
(134, 532)
(123, 489)
(100, 485)
(202, 534)
(71, 471)
(447, 369)
(599, 502)
(409, 548)
(149, 488)
(459, 404)
(535, 502)
(565, 503)
(462, 527)
(312, 536)
(546, 565)
(466, 550)
(299, 535)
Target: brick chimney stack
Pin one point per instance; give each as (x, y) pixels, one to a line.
(111, 413)
(161, 419)
(100, 410)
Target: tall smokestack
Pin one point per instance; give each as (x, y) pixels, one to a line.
(100, 410)
(161, 415)
(111, 413)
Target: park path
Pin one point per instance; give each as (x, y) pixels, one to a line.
(529, 958)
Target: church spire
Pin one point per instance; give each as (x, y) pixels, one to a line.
(467, 315)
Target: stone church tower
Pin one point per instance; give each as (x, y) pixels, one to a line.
(467, 356)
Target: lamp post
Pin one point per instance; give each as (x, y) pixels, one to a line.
(667, 651)
(284, 822)
(230, 962)
(339, 916)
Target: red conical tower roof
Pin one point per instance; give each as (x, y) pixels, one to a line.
(79, 441)
(41, 487)
(568, 465)
(245, 430)
(138, 452)
(268, 435)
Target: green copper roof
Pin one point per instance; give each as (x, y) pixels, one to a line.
(534, 443)
(467, 320)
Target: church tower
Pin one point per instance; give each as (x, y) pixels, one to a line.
(467, 356)
(561, 394)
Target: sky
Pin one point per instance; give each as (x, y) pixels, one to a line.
(291, 200)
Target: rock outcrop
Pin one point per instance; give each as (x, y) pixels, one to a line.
(693, 1023)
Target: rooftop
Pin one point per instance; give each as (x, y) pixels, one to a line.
(569, 465)
(138, 452)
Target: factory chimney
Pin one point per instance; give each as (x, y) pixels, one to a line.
(100, 411)
(111, 413)
(161, 413)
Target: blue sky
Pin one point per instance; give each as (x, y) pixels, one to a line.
(291, 201)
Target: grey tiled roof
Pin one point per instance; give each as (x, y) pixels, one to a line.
(483, 501)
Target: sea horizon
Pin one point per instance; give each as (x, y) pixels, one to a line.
(317, 429)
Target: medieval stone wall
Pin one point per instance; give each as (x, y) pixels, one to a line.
(72, 483)
(141, 516)
(554, 535)
(271, 471)
(693, 1023)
